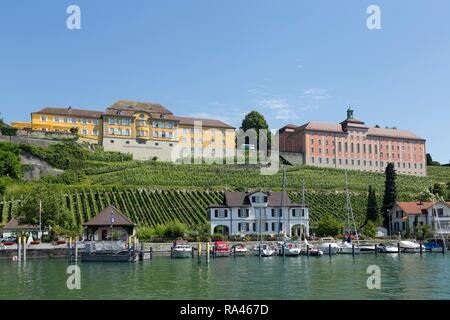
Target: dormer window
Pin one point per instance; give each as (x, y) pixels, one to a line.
(119, 113)
(142, 116)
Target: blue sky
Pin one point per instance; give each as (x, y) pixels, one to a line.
(294, 61)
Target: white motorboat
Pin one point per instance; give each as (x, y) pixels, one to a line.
(328, 245)
(367, 248)
(264, 250)
(346, 247)
(288, 249)
(410, 246)
(239, 250)
(181, 249)
(387, 248)
(309, 250)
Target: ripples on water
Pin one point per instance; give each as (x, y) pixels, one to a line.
(409, 276)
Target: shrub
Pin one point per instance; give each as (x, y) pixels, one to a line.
(328, 226)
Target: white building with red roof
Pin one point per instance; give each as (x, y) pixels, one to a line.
(352, 144)
(406, 216)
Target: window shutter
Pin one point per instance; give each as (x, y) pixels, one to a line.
(226, 213)
(216, 213)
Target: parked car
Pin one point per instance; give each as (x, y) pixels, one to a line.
(9, 241)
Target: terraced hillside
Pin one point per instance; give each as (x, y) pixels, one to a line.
(156, 192)
(149, 207)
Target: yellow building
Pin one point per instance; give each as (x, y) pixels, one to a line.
(146, 130)
(88, 124)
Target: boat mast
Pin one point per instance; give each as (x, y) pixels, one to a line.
(349, 209)
(280, 212)
(438, 221)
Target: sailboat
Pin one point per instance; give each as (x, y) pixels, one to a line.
(346, 246)
(434, 246)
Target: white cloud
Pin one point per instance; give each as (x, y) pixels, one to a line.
(315, 94)
(282, 109)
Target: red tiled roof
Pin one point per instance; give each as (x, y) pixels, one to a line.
(69, 111)
(416, 207)
(376, 132)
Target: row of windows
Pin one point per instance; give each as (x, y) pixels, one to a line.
(70, 120)
(200, 150)
(200, 140)
(245, 213)
(119, 121)
(274, 226)
(163, 134)
(119, 132)
(85, 132)
(364, 162)
(201, 131)
(357, 137)
(392, 147)
(392, 155)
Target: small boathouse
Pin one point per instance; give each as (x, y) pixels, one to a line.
(108, 223)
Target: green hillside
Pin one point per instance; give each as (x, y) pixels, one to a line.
(156, 193)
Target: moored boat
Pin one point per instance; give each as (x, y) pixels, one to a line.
(221, 249)
(432, 246)
(264, 250)
(387, 248)
(309, 250)
(367, 248)
(346, 247)
(288, 249)
(410, 246)
(239, 250)
(328, 245)
(181, 249)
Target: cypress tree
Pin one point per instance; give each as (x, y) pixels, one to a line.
(372, 208)
(390, 192)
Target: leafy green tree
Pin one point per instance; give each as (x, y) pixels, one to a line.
(372, 207)
(328, 226)
(255, 120)
(390, 192)
(439, 190)
(429, 159)
(10, 165)
(370, 229)
(54, 211)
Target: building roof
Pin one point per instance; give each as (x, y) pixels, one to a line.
(129, 107)
(242, 199)
(13, 224)
(103, 218)
(415, 207)
(376, 132)
(188, 121)
(70, 112)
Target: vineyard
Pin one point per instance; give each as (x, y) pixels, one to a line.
(154, 192)
(232, 177)
(151, 207)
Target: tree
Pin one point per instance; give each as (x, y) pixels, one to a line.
(255, 120)
(429, 159)
(10, 165)
(390, 192)
(54, 211)
(439, 190)
(372, 207)
(328, 226)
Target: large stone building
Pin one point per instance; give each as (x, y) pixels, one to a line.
(353, 145)
(146, 130)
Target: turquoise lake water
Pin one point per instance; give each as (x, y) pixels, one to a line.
(409, 276)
